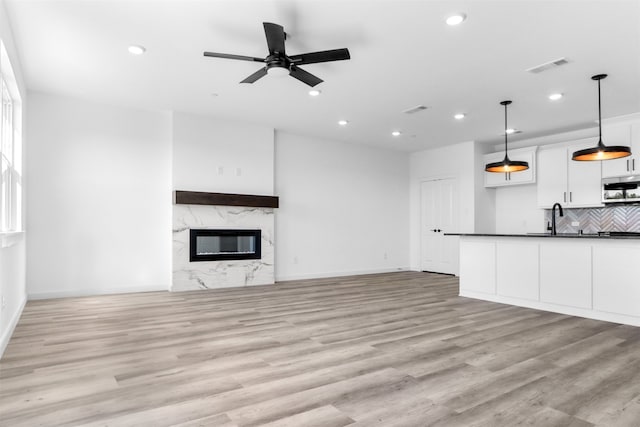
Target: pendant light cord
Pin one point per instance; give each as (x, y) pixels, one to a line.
(599, 116)
(505, 131)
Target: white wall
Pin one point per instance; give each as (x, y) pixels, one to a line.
(99, 217)
(220, 156)
(485, 198)
(517, 210)
(342, 208)
(12, 248)
(454, 161)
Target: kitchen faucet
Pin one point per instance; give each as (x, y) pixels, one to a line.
(553, 217)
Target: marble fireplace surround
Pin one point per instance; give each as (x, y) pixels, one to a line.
(219, 211)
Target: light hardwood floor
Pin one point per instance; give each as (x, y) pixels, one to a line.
(398, 349)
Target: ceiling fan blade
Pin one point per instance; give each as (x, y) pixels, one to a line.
(304, 76)
(255, 76)
(229, 56)
(324, 56)
(275, 37)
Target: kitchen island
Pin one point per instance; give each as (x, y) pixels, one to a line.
(582, 275)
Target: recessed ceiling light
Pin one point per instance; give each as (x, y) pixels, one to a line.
(136, 49)
(343, 122)
(510, 131)
(314, 92)
(456, 19)
(556, 96)
(396, 133)
(459, 116)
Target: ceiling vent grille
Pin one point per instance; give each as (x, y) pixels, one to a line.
(548, 65)
(415, 109)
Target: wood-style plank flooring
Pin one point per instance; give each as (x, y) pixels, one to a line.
(398, 349)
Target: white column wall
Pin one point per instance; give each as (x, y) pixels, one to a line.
(212, 155)
(220, 156)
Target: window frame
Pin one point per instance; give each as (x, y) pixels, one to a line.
(11, 178)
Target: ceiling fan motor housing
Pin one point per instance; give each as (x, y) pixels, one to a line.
(277, 60)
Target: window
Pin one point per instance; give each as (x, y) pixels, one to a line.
(10, 149)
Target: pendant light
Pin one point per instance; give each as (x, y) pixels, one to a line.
(601, 151)
(506, 165)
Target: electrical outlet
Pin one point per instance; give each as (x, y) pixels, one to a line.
(575, 223)
(385, 255)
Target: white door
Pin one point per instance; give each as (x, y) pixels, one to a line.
(439, 215)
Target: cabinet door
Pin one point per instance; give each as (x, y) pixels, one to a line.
(492, 179)
(615, 279)
(478, 265)
(552, 176)
(526, 176)
(617, 135)
(635, 149)
(584, 179)
(565, 273)
(517, 270)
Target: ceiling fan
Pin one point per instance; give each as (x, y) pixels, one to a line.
(278, 62)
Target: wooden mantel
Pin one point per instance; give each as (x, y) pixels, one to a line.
(224, 199)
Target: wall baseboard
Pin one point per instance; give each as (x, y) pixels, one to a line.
(6, 336)
(555, 308)
(338, 274)
(86, 293)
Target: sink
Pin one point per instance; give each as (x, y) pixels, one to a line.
(562, 235)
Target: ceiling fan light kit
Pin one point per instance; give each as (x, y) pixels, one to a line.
(279, 63)
(506, 165)
(601, 151)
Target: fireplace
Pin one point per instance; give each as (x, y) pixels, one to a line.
(224, 245)
(232, 233)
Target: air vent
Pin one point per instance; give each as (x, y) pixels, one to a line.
(415, 109)
(548, 65)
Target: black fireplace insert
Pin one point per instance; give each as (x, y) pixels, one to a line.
(224, 245)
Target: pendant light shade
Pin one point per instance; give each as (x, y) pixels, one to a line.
(506, 165)
(601, 151)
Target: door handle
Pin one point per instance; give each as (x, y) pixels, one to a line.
(633, 164)
(565, 196)
(627, 165)
(434, 230)
(438, 230)
(571, 196)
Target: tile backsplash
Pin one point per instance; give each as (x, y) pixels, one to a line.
(592, 220)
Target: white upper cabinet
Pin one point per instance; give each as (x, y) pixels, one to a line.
(492, 179)
(552, 176)
(622, 134)
(570, 183)
(584, 179)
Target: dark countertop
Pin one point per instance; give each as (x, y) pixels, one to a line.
(547, 235)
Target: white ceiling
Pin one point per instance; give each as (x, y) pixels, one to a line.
(403, 55)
